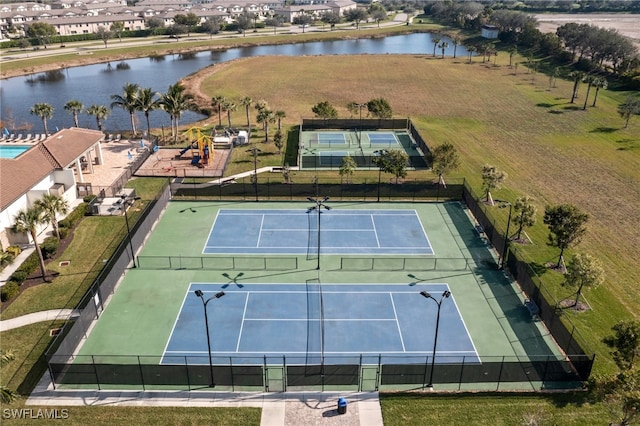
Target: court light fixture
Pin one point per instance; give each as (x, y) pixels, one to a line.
(125, 202)
(380, 153)
(319, 205)
(445, 295)
(218, 295)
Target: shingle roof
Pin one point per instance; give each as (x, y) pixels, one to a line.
(19, 175)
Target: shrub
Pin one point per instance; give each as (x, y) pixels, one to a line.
(9, 291)
(18, 276)
(15, 250)
(64, 232)
(31, 264)
(49, 247)
(64, 223)
(6, 257)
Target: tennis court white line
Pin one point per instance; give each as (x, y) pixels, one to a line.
(260, 232)
(184, 299)
(395, 314)
(375, 231)
(318, 319)
(383, 353)
(244, 314)
(473, 345)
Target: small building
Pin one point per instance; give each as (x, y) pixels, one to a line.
(489, 31)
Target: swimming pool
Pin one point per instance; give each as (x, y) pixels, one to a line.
(12, 151)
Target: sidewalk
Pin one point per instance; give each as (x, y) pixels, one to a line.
(51, 315)
(278, 409)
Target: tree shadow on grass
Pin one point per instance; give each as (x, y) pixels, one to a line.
(628, 144)
(545, 105)
(602, 129)
(572, 108)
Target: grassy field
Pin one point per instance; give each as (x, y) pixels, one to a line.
(551, 149)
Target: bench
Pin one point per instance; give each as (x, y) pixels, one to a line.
(479, 230)
(533, 309)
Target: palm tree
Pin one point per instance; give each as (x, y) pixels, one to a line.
(443, 46)
(147, 102)
(471, 49)
(28, 221)
(456, 41)
(589, 80)
(216, 103)
(101, 112)
(435, 44)
(280, 115)
(512, 51)
(7, 395)
(576, 76)
(229, 107)
(53, 205)
(44, 111)
(246, 103)
(74, 107)
(175, 102)
(599, 83)
(128, 101)
(266, 116)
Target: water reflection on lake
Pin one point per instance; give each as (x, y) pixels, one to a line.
(94, 84)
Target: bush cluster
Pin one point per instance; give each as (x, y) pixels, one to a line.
(49, 247)
(9, 291)
(74, 217)
(28, 267)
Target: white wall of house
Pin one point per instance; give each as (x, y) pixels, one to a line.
(7, 217)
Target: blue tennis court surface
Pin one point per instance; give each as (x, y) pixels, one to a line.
(380, 138)
(372, 232)
(332, 321)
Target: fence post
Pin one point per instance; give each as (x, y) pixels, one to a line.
(141, 374)
(186, 366)
(464, 358)
(95, 371)
(500, 374)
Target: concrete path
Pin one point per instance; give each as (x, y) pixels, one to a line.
(52, 315)
(278, 409)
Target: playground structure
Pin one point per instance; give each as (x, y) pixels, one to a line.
(201, 147)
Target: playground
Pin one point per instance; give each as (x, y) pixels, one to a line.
(202, 155)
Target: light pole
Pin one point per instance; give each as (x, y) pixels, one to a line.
(254, 150)
(445, 295)
(319, 206)
(506, 236)
(380, 162)
(126, 202)
(218, 295)
(360, 106)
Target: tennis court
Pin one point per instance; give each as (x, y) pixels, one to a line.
(312, 320)
(374, 232)
(353, 309)
(326, 149)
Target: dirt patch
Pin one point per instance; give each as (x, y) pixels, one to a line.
(626, 24)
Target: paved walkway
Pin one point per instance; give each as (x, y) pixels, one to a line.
(278, 409)
(52, 315)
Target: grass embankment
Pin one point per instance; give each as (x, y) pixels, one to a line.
(551, 149)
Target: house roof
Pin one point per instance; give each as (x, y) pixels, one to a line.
(19, 175)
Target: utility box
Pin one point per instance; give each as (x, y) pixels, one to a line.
(242, 138)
